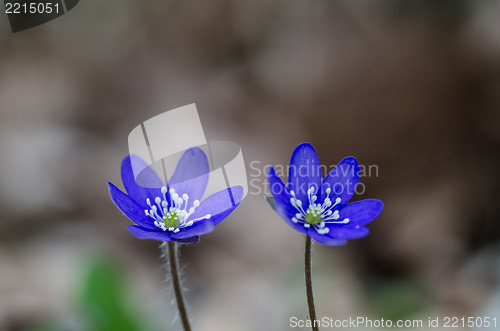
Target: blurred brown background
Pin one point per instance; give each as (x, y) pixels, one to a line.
(412, 87)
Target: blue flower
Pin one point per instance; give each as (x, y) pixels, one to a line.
(172, 212)
(319, 207)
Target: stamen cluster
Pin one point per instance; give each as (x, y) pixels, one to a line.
(174, 216)
(317, 215)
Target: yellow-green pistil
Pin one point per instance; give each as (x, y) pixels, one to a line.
(313, 215)
(171, 219)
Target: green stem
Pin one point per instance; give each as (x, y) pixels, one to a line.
(176, 284)
(309, 289)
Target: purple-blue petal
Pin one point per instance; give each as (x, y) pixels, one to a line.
(198, 228)
(304, 172)
(133, 166)
(143, 233)
(344, 232)
(129, 207)
(361, 212)
(342, 180)
(219, 205)
(282, 196)
(325, 240)
(191, 175)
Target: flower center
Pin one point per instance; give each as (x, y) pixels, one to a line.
(317, 215)
(313, 214)
(174, 216)
(171, 219)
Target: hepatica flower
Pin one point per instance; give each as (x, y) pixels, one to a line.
(320, 207)
(173, 212)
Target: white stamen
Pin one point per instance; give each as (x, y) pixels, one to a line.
(317, 213)
(174, 213)
(323, 230)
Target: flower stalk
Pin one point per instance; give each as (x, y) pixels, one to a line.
(172, 253)
(309, 289)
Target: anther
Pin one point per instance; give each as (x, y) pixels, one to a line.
(323, 231)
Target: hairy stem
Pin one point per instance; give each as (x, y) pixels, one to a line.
(176, 284)
(309, 289)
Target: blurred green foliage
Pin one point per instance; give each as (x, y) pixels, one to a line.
(396, 300)
(103, 301)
